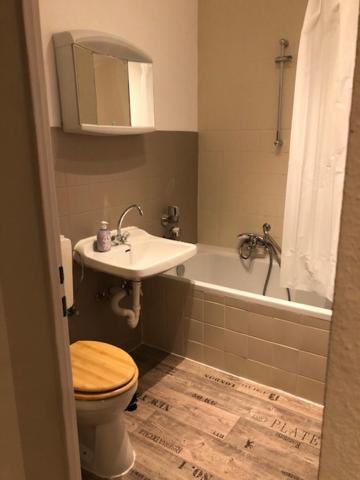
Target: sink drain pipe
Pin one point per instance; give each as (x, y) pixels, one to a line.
(132, 315)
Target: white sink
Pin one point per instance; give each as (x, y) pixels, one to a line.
(148, 255)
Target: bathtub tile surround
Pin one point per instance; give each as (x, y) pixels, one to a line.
(265, 344)
(237, 115)
(224, 213)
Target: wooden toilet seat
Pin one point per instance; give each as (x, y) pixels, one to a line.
(101, 370)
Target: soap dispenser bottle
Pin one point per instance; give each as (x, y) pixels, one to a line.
(103, 238)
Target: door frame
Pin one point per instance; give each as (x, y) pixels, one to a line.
(31, 19)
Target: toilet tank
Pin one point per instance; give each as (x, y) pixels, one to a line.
(66, 256)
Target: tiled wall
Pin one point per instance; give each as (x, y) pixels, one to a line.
(271, 346)
(242, 178)
(96, 178)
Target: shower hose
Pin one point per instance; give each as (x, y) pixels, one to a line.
(271, 254)
(270, 251)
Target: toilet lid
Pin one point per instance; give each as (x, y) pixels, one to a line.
(99, 367)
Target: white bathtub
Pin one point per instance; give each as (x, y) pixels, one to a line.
(220, 270)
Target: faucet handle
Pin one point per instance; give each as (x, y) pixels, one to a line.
(123, 237)
(173, 211)
(266, 228)
(171, 217)
(175, 233)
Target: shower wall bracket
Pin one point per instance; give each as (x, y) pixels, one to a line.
(281, 61)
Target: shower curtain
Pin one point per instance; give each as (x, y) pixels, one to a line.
(319, 135)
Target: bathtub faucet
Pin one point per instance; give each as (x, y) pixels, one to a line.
(249, 242)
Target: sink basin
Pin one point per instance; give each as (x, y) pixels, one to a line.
(148, 255)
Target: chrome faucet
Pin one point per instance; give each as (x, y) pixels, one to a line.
(248, 242)
(170, 221)
(122, 237)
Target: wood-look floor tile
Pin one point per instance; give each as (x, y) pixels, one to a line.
(193, 421)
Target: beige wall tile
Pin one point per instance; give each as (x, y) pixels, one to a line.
(195, 308)
(214, 357)
(285, 358)
(260, 372)
(153, 330)
(314, 340)
(236, 343)
(268, 311)
(290, 316)
(266, 139)
(236, 365)
(287, 333)
(175, 338)
(194, 330)
(285, 380)
(261, 326)
(310, 389)
(260, 350)
(64, 224)
(214, 297)
(62, 200)
(194, 350)
(316, 322)
(86, 224)
(84, 198)
(197, 293)
(238, 303)
(237, 320)
(214, 336)
(214, 314)
(312, 366)
(229, 140)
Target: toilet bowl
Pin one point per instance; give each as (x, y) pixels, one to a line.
(105, 380)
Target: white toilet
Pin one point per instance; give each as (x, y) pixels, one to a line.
(105, 379)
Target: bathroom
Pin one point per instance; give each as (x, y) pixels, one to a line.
(234, 368)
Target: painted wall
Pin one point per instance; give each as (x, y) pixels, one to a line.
(242, 179)
(340, 446)
(165, 29)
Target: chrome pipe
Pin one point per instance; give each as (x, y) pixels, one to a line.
(281, 61)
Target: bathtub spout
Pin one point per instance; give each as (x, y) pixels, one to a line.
(249, 240)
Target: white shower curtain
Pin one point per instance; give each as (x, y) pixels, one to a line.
(318, 145)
